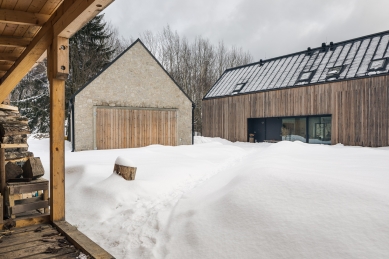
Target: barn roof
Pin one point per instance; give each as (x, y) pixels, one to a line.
(356, 58)
(118, 57)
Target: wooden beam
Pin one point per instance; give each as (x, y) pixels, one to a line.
(1, 210)
(3, 180)
(75, 21)
(57, 139)
(62, 18)
(8, 56)
(14, 41)
(24, 18)
(2, 171)
(30, 220)
(80, 241)
(5, 146)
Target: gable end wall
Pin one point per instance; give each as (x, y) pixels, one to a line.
(134, 80)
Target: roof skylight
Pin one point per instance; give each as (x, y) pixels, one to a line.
(334, 71)
(305, 76)
(238, 88)
(378, 64)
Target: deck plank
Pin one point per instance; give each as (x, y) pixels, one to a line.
(29, 243)
(64, 240)
(36, 252)
(24, 237)
(82, 242)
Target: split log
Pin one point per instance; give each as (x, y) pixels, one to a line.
(7, 107)
(11, 116)
(17, 155)
(4, 117)
(126, 172)
(15, 139)
(33, 168)
(17, 122)
(5, 113)
(12, 171)
(7, 129)
(16, 150)
(13, 130)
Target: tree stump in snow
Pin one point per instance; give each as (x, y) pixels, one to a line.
(127, 172)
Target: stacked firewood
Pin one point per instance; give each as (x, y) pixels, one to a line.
(13, 130)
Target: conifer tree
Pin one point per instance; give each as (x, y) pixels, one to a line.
(31, 96)
(91, 48)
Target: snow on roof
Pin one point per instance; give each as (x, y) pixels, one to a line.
(353, 58)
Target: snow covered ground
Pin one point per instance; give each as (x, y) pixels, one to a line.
(219, 199)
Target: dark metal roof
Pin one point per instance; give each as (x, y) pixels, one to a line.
(352, 58)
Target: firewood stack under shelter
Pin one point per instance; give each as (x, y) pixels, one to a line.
(13, 134)
(21, 190)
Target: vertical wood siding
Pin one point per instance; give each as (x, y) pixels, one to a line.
(359, 110)
(128, 128)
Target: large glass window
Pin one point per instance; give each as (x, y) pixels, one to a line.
(308, 129)
(320, 130)
(294, 129)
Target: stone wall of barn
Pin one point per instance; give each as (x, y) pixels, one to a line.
(133, 80)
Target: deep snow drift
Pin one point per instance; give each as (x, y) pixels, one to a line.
(219, 199)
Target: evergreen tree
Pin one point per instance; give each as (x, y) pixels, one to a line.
(31, 96)
(91, 48)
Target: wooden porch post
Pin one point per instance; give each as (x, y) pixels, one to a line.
(57, 64)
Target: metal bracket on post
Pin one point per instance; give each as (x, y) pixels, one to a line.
(61, 60)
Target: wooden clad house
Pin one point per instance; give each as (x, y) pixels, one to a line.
(337, 93)
(31, 30)
(133, 102)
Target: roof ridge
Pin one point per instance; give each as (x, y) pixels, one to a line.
(312, 49)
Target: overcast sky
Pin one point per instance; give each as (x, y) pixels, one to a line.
(266, 28)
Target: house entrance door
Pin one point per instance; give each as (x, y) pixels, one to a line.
(258, 128)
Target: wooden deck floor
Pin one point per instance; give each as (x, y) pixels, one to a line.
(38, 241)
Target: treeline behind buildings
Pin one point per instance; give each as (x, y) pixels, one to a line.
(194, 64)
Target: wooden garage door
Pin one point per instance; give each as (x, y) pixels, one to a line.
(128, 127)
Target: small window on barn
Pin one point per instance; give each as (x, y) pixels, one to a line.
(305, 76)
(334, 72)
(377, 64)
(238, 88)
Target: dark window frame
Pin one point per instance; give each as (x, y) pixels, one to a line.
(237, 90)
(341, 68)
(307, 117)
(380, 68)
(307, 79)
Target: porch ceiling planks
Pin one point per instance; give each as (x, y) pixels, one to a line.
(12, 41)
(27, 29)
(20, 17)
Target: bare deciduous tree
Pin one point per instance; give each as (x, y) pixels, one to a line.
(196, 65)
